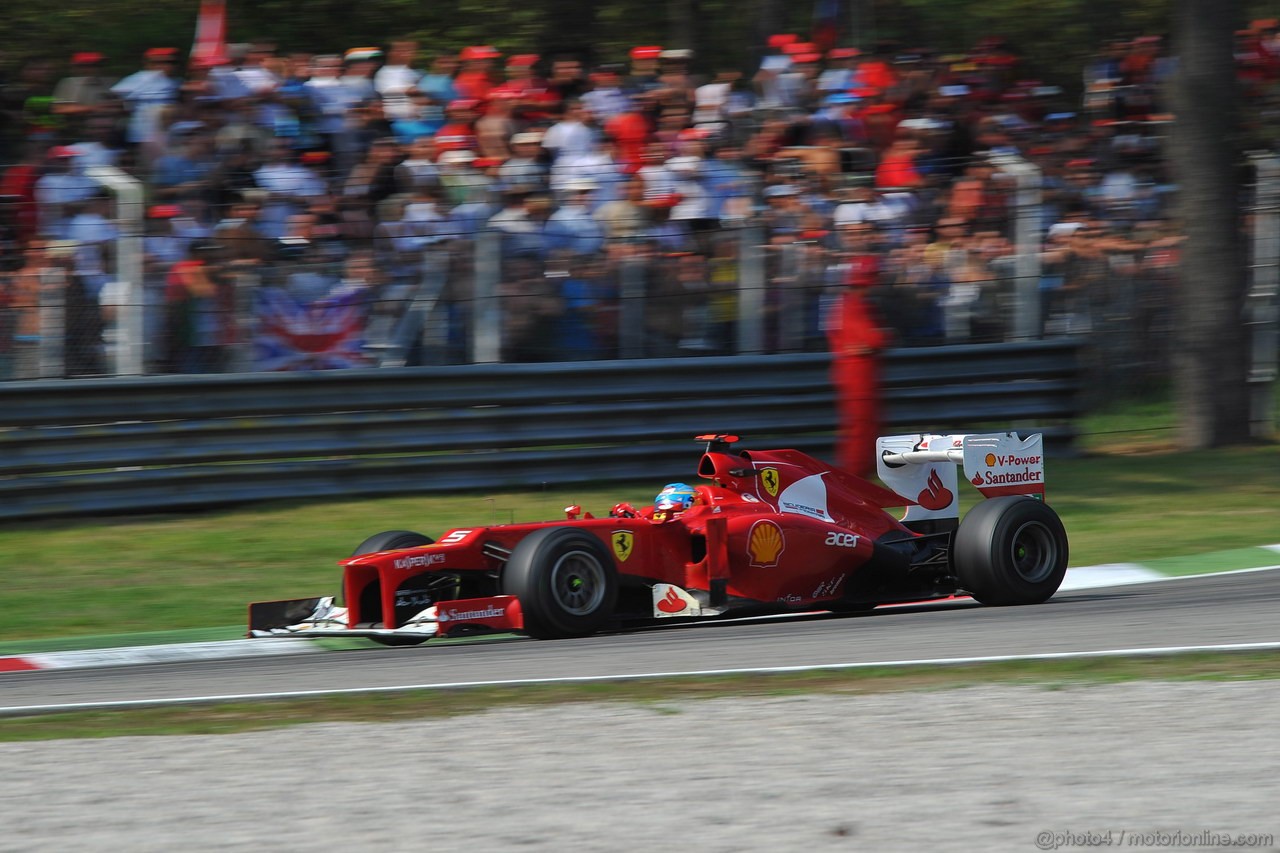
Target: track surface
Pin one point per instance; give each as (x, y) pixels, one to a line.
(1225, 609)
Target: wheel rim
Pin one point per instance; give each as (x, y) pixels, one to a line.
(578, 583)
(1033, 552)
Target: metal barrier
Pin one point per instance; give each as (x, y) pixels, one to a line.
(113, 445)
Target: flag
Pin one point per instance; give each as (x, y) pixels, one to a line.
(211, 30)
(826, 24)
(326, 334)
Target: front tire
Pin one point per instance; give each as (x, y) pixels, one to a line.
(565, 580)
(1010, 550)
(390, 540)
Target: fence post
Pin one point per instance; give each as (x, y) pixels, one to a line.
(1262, 312)
(53, 323)
(631, 305)
(486, 317)
(244, 316)
(130, 332)
(1027, 245)
(751, 285)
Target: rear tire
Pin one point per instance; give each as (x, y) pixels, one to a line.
(389, 541)
(1010, 550)
(565, 580)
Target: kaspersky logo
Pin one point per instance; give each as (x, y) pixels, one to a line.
(623, 542)
(765, 544)
(769, 479)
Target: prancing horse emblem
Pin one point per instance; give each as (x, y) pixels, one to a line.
(769, 477)
(623, 542)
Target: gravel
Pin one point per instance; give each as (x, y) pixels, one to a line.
(985, 768)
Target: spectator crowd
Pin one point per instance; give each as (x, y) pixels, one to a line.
(309, 211)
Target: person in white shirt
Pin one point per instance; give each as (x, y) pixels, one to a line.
(60, 187)
(397, 82)
(288, 184)
(570, 136)
(146, 93)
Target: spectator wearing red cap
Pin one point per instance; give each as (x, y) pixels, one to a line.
(476, 78)
(459, 130)
(535, 102)
(605, 99)
(85, 91)
(839, 73)
(59, 190)
(643, 76)
(145, 95)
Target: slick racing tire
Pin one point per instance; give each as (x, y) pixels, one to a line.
(565, 580)
(1010, 550)
(387, 541)
(390, 540)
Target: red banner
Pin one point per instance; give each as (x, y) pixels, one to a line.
(211, 30)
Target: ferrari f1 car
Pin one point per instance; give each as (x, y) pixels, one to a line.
(768, 531)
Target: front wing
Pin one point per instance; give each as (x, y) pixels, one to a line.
(322, 617)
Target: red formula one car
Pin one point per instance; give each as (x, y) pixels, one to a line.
(770, 531)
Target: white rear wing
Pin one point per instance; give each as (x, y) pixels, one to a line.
(923, 468)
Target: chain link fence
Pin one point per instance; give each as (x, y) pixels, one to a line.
(1002, 256)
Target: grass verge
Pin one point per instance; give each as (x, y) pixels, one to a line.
(656, 694)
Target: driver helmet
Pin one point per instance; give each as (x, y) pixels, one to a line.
(675, 497)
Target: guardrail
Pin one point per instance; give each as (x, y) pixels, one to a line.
(113, 445)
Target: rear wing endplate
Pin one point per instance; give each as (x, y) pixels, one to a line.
(922, 468)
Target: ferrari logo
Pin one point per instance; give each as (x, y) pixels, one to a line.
(623, 542)
(769, 477)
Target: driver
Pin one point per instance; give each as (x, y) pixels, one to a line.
(674, 498)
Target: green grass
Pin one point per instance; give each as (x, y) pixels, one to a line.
(658, 696)
(1134, 502)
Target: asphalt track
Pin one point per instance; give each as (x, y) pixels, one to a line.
(1213, 610)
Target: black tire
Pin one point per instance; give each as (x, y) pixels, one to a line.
(1010, 550)
(388, 541)
(566, 582)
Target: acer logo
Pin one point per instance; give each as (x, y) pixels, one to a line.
(935, 495)
(672, 602)
(842, 540)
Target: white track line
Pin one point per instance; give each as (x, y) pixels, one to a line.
(636, 676)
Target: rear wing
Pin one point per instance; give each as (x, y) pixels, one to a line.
(922, 468)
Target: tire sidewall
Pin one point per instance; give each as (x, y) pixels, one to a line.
(529, 575)
(982, 554)
(390, 540)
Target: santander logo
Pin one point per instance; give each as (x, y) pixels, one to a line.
(672, 602)
(935, 495)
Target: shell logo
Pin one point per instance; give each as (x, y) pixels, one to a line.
(990, 460)
(765, 544)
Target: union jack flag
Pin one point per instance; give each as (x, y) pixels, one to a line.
(327, 334)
